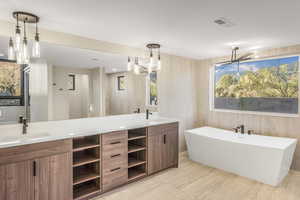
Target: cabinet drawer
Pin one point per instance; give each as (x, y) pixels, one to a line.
(114, 137)
(115, 177)
(116, 153)
(114, 165)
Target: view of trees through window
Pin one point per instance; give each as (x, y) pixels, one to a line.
(153, 89)
(265, 86)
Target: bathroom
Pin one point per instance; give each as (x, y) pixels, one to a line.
(90, 81)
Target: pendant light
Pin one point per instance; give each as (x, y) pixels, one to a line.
(154, 64)
(129, 64)
(25, 47)
(136, 66)
(36, 51)
(159, 61)
(21, 49)
(18, 35)
(11, 50)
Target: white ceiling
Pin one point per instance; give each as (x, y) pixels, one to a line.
(183, 27)
(73, 57)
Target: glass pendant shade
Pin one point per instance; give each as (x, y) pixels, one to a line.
(25, 52)
(129, 65)
(18, 39)
(36, 50)
(153, 64)
(11, 50)
(136, 69)
(159, 65)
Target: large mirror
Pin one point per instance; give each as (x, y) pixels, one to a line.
(70, 83)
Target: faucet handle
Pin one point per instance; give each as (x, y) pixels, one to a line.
(236, 129)
(250, 132)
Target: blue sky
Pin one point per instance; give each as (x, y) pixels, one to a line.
(252, 65)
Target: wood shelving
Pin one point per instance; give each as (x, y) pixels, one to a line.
(84, 190)
(85, 175)
(137, 154)
(83, 160)
(132, 162)
(136, 172)
(134, 148)
(86, 167)
(84, 146)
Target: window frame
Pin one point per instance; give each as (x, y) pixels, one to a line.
(119, 82)
(274, 114)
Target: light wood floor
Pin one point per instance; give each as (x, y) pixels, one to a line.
(192, 181)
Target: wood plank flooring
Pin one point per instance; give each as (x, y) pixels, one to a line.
(193, 181)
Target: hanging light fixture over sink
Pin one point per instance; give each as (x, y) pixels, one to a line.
(153, 63)
(18, 48)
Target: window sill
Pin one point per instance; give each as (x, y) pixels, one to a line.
(256, 113)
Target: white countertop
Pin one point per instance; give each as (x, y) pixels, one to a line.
(11, 135)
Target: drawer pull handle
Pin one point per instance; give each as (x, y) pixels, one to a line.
(116, 155)
(118, 142)
(34, 168)
(112, 170)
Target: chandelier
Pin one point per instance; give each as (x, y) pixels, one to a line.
(18, 48)
(138, 67)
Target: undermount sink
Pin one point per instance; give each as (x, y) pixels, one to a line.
(37, 136)
(18, 138)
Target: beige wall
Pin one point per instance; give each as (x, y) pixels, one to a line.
(68, 104)
(128, 100)
(266, 125)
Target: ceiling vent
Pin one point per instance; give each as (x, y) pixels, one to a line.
(222, 21)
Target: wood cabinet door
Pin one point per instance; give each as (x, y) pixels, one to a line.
(54, 177)
(17, 181)
(170, 155)
(155, 156)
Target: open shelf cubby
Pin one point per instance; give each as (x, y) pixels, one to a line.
(83, 190)
(86, 156)
(135, 134)
(86, 173)
(87, 142)
(137, 172)
(86, 167)
(136, 145)
(136, 158)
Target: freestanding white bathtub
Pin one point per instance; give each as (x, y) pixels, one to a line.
(263, 158)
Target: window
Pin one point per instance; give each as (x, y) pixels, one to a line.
(268, 86)
(11, 84)
(151, 90)
(71, 82)
(121, 82)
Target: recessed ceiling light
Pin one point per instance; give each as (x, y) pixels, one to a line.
(95, 59)
(222, 21)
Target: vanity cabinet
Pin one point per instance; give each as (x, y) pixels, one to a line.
(17, 181)
(162, 147)
(35, 172)
(84, 167)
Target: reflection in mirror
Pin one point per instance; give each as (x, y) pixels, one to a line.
(69, 83)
